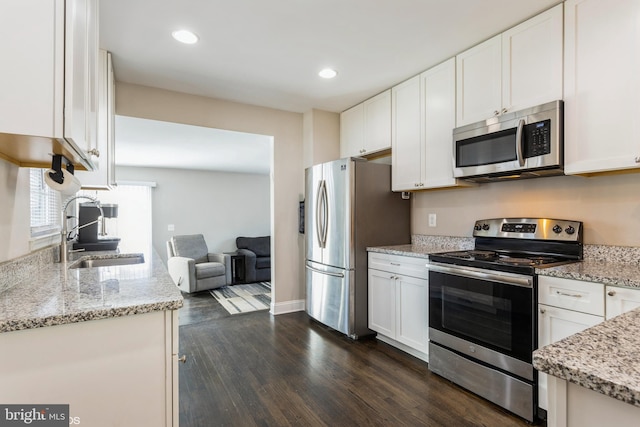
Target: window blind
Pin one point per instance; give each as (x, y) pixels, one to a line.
(45, 205)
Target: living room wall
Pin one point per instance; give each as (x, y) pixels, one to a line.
(219, 205)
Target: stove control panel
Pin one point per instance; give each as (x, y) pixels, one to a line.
(529, 228)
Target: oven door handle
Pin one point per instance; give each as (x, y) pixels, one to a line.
(484, 274)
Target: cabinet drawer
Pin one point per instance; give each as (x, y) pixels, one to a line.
(585, 297)
(405, 265)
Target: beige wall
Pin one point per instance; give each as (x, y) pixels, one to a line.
(287, 171)
(321, 137)
(609, 206)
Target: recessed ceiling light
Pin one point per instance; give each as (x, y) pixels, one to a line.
(328, 73)
(185, 36)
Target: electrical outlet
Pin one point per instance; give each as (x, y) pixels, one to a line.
(171, 227)
(432, 220)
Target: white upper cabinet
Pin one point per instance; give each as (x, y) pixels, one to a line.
(366, 128)
(103, 177)
(519, 68)
(49, 83)
(406, 136)
(439, 115)
(479, 82)
(423, 118)
(602, 88)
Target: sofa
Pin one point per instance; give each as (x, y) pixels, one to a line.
(257, 258)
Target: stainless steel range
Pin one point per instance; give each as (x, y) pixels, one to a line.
(482, 317)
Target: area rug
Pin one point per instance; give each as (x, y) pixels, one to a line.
(244, 298)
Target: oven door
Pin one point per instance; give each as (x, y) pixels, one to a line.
(485, 314)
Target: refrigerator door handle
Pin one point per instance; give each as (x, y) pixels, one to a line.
(321, 214)
(328, 273)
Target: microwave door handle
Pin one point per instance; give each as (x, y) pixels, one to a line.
(520, 142)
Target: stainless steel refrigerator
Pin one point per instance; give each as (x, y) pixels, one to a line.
(349, 206)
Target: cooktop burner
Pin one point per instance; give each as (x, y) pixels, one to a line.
(519, 245)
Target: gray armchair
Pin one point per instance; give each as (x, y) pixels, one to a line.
(193, 268)
(257, 261)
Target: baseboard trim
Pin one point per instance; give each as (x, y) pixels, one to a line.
(287, 307)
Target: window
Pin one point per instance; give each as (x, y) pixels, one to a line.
(45, 205)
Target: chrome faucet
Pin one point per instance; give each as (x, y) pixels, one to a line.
(64, 251)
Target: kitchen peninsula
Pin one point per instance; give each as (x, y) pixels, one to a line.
(102, 339)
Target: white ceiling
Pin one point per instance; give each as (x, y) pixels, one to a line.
(268, 53)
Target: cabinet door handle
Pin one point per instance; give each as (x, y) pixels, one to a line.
(397, 264)
(611, 293)
(569, 295)
(543, 311)
(496, 112)
(504, 110)
(637, 159)
(183, 359)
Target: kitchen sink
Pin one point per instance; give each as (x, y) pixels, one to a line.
(109, 261)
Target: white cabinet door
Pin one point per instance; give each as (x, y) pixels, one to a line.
(532, 58)
(122, 361)
(81, 56)
(366, 128)
(412, 316)
(517, 69)
(352, 131)
(103, 177)
(32, 84)
(621, 300)
(602, 89)
(439, 94)
(406, 136)
(377, 123)
(382, 302)
(555, 324)
(48, 83)
(479, 82)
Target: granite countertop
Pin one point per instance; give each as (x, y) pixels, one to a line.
(604, 358)
(614, 274)
(422, 246)
(56, 294)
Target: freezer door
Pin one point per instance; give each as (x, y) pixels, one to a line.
(328, 296)
(313, 207)
(339, 178)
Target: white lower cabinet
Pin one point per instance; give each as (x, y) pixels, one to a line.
(399, 302)
(565, 307)
(112, 372)
(620, 300)
(568, 306)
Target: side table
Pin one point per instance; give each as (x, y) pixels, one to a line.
(237, 267)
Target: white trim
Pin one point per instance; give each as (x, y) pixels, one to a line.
(140, 183)
(287, 307)
(40, 242)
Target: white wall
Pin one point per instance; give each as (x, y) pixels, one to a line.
(219, 205)
(14, 211)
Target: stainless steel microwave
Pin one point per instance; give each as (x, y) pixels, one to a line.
(523, 144)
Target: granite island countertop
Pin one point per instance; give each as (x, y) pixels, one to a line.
(603, 358)
(57, 294)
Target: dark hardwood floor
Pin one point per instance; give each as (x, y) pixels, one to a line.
(255, 369)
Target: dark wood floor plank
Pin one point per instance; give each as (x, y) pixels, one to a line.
(259, 370)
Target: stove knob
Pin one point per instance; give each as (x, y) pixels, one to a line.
(477, 227)
(570, 230)
(485, 227)
(557, 229)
